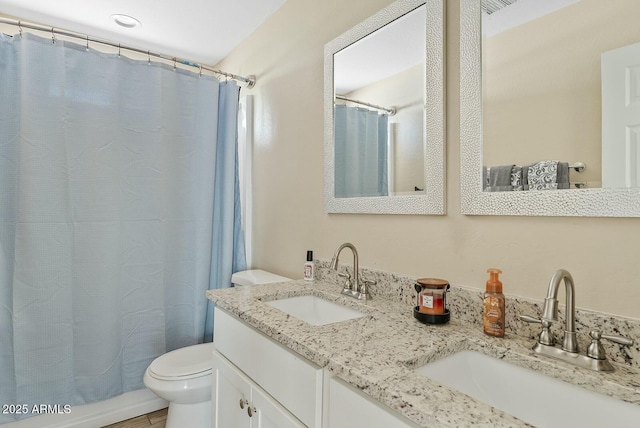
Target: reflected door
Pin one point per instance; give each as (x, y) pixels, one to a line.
(621, 117)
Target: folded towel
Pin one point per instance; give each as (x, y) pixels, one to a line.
(563, 175)
(543, 175)
(525, 177)
(516, 178)
(485, 178)
(500, 178)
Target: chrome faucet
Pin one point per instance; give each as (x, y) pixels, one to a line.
(353, 289)
(595, 358)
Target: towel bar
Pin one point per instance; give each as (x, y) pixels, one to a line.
(578, 166)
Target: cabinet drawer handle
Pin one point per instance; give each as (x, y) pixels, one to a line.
(251, 411)
(243, 402)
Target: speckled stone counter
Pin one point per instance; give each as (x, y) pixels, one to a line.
(378, 352)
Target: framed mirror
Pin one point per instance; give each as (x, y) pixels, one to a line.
(384, 113)
(549, 109)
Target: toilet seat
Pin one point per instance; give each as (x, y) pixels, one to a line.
(184, 363)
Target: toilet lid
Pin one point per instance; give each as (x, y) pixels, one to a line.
(187, 362)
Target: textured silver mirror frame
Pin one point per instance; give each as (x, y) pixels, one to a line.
(622, 202)
(433, 202)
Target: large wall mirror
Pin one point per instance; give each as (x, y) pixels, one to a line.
(550, 107)
(384, 113)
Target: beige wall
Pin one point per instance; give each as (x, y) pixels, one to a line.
(286, 54)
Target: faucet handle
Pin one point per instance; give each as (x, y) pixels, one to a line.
(530, 319)
(546, 336)
(619, 339)
(596, 350)
(364, 289)
(533, 320)
(347, 283)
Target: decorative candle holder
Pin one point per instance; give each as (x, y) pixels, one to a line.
(431, 305)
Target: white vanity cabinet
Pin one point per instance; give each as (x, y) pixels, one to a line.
(284, 388)
(258, 382)
(240, 403)
(346, 407)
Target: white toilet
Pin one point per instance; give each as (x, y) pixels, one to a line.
(183, 376)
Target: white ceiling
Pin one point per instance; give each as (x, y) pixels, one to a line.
(203, 31)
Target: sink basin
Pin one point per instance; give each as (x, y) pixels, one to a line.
(315, 310)
(528, 395)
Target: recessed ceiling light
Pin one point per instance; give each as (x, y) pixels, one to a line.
(125, 21)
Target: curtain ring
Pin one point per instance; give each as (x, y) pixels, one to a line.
(53, 36)
(20, 28)
(118, 50)
(149, 57)
(174, 63)
(200, 71)
(87, 43)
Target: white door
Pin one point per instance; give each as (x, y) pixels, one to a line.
(269, 413)
(231, 396)
(621, 117)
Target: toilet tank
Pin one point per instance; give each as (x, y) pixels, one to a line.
(256, 276)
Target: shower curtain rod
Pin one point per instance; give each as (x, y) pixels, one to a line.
(250, 80)
(389, 110)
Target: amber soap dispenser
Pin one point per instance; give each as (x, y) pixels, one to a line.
(493, 313)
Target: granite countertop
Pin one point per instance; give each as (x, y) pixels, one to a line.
(378, 352)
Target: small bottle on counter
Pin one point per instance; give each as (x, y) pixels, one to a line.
(494, 305)
(309, 268)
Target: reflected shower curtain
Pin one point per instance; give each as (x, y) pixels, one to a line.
(117, 212)
(360, 152)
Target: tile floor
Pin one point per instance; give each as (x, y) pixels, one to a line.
(150, 420)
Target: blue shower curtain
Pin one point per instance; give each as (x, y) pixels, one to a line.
(361, 152)
(118, 210)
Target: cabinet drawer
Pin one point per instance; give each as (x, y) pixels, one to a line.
(347, 407)
(291, 380)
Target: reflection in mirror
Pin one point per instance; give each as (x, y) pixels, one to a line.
(561, 105)
(379, 87)
(384, 150)
(522, 114)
